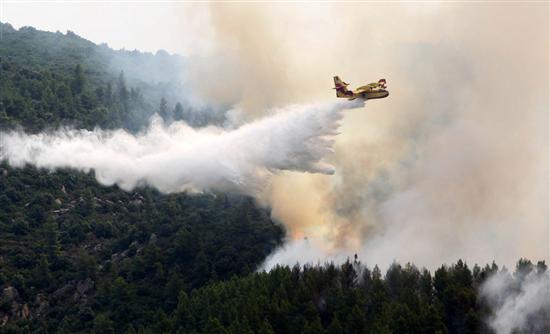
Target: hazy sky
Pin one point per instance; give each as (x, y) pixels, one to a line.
(142, 25)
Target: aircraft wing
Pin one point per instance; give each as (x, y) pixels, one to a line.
(362, 89)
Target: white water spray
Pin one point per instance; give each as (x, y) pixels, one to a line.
(180, 158)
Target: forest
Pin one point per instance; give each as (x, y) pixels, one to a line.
(79, 257)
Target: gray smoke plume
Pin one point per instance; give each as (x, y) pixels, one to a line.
(519, 304)
(180, 158)
(450, 165)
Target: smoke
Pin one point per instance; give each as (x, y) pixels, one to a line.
(449, 166)
(180, 158)
(518, 303)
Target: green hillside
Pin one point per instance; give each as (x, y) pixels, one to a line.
(49, 80)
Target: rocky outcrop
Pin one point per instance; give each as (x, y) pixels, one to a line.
(11, 306)
(83, 288)
(14, 308)
(41, 306)
(77, 291)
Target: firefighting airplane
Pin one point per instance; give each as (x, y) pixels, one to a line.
(375, 90)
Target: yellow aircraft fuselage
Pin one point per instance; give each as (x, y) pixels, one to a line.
(375, 90)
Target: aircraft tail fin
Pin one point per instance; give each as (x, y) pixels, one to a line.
(341, 88)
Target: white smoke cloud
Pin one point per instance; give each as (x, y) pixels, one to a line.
(310, 251)
(520, 304)
(180, 158)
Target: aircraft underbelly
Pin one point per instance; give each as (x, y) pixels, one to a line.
(375, 95)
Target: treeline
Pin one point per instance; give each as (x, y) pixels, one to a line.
(331, 299)
(39, 100)
(349, 298)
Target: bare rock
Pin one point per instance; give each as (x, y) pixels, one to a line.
(42, 305)
(25, 312)
(63, 291)
(10, 294)
(136, 202)
(83, 287)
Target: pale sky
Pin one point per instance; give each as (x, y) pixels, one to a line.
(146, 26)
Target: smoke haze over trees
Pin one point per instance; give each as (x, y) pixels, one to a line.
(53, 79)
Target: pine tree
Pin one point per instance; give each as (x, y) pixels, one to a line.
(335, 327)
(213, 326)
(178, 112)
(122, 92)
(356, 322)
(52, 240)
(77, 85)
(265, 328)
(102, 324)
(163, 109)
(108, 95)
